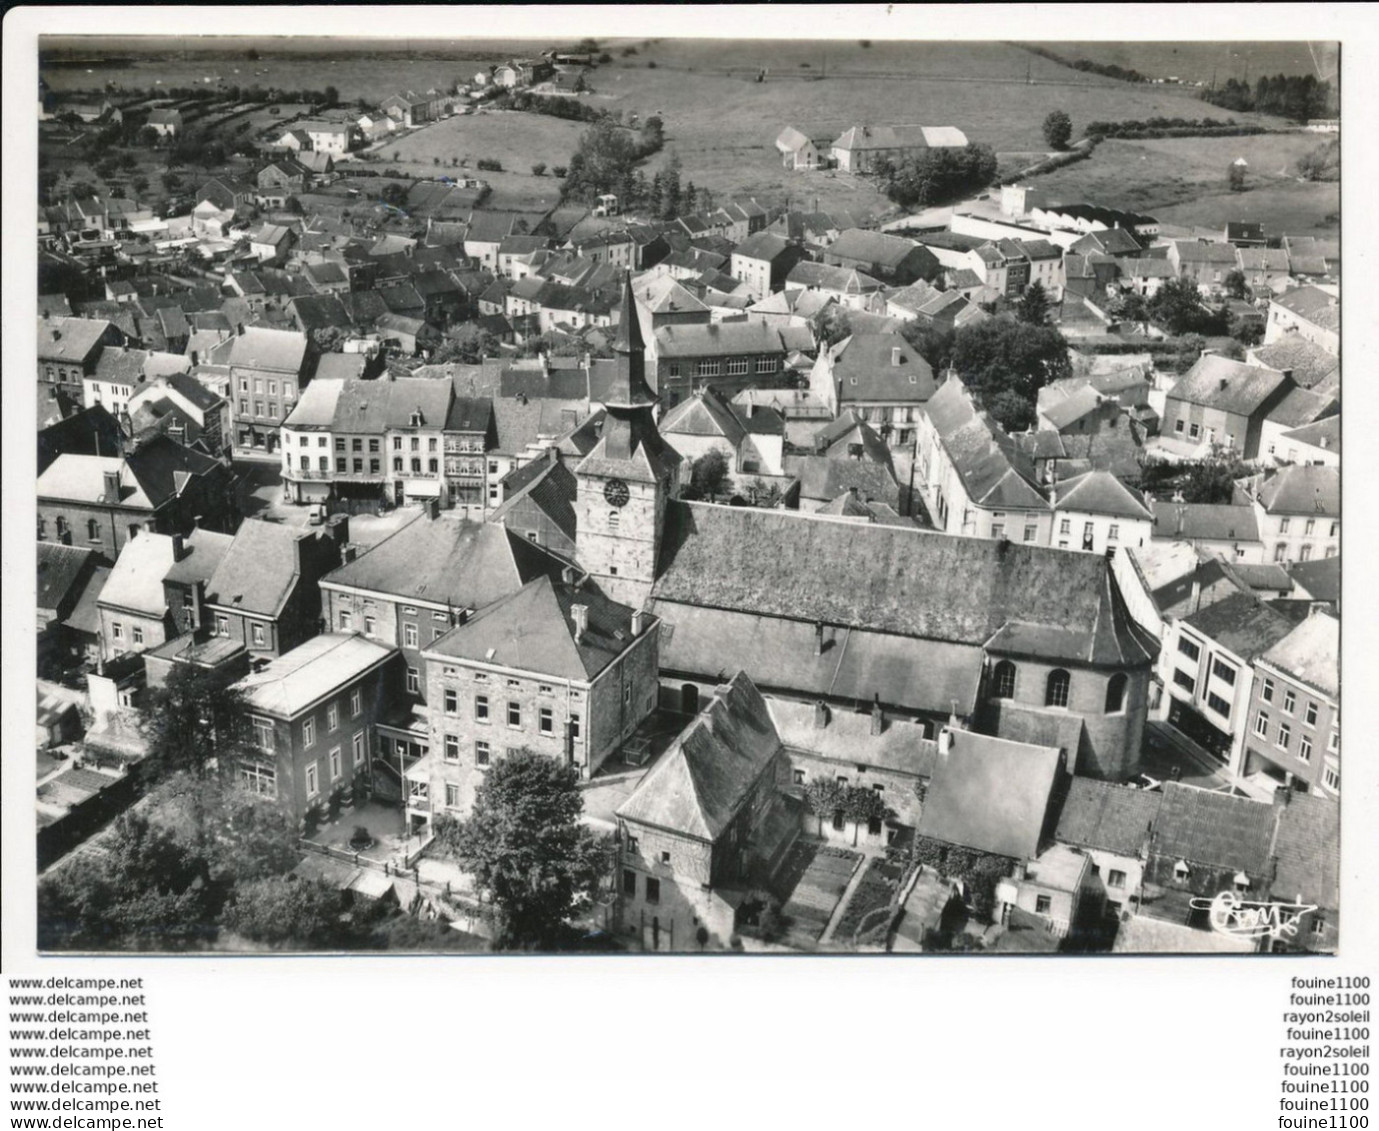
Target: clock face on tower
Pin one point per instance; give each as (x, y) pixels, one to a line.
(615, 491)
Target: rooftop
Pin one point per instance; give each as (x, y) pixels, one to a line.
(1216, 830)
(1231, 386)
(991, 794)
(1242, 623)
(295, 680)
(1113, 818)
(1303, 490)
(1311, 653)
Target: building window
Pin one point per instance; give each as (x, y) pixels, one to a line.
(1279, 552)
(737, 366)
(452, 701)
(222, 624)
(1194, 430)
(1184, 680)
(574, 727)
(309, 733)
(263, 734)
(258, 635)
(1003, 680)
(138, 633)
(1219, 705)
(514, 713)
(1113, 532)
(452, 795)
(369, 625)
(547, 718)
(1115, 693)
(998, 530)
(335, 764)
(1056, 691)
(481, 753)
(1305, 554)
(409, 635)
(1031, 532)
(799, 777)
(1290, 701)
(629, 883)
(356, 703)
(1188, 648)
(359, 748)
(1115, 878)
(452, 748)
(1043, 904)
(481, 708)
(413, 682)
(1178, 427)
(93, 530)
(1304, 748)
(312, 786)
(1283, 525)
(1266, 693)
(653, 890)
(1331, 778)
(1310, 715)
(1285, 735)
(1223, 671)
(397, 463)
(346, 620)
(709, 368)
(1262, 724)
(332, 716)
(258, 779)
(614, 520)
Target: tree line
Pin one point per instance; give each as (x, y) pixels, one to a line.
(1297, 97)
(937, 175)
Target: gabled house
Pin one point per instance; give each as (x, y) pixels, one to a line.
(1298, 509)
(1097, 513)
(263, 595)
(861, 149)
(891, 259)
(797, 150)
(975, 479)
(880, 376)
(691, 831)
(1206, 264)
(1310, 312)
(763, 262)
(1220, 401)
(752, 439)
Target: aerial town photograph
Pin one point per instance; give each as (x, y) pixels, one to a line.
(696, 496)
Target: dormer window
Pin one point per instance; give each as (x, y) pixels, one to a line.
(416, 419)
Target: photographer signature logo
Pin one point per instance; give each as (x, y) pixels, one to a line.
(1230, 914)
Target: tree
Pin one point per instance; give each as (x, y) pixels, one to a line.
(1212, 480)
(938, 175)
(332, 96)
(284, 912)
(832, 324)
(195, 723)
(1177, 307)
(709, 475)
(1235, 284)
(934, 343)
(468, 343)
(1235, 177)
(538, 169)
(1006, 355)
(1034, 305)
(1128, 307)
(1058, 129)
(526, 847)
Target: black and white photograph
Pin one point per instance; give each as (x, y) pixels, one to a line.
(614, 493)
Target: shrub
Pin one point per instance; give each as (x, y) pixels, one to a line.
(559, 170)
(490, 165)
(539, 169)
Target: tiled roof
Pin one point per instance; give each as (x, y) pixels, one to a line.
(69, 339)
(1216, 830)
(259, 569)
(887, 579)
(295, 680)
(1308, 848)
(822, 477)
(1193, 521)
(1313, 305)
(701, 782)
(862, 138)
(994, 472)
(853, 665)
(1311, 653)
(881, 367)
(282, 351)
(534, 630)
(59, 567)
(1309, 363)
(1100, 492)
(1114, 818)
(991, 794)
(875, 247)
(446, 560)
(1242, 623)
(1303, 490)
(716, 339)
(762, 245)
(550, 486)
(1231, 386)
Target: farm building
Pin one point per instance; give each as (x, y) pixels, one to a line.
(861, 148)
(797, 151)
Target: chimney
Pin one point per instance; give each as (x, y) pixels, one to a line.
(339, 527)
(878, 716)
(179, 548)
(818, 638)
(820, 714)
(569, 574)
(112, 486)
(580, 615)
(240, 329)
(194, 356)
(1110, 553)
(1020, 871)
(1195, 599)
(348, 554)
(638, 621)
(945, 741)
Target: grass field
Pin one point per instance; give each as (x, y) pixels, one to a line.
(518, 140)
(1183, 181)
(1198, 62)
(719, 119)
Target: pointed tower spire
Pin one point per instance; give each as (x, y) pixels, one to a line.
(629, 388)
